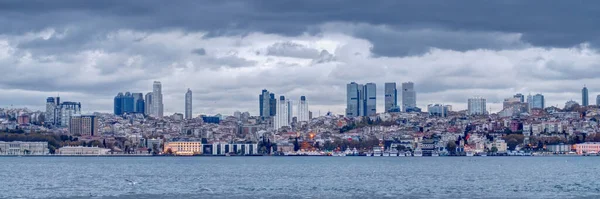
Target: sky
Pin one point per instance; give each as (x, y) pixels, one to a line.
(226, 52)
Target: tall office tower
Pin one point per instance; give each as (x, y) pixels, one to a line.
(140, 105)
(136, 98)
(118, 104)
(353, 99)
(303, 115)
(290, 113)
(361, 100)
(272, 105)
(391, 96)
(66, 110)
(264, 104)
(476, 106)
(598, 100)
(128, 103)
(188, 104)
(281, 116)
(584, 97)
(85, 125)
(520, 96)
(51, 104)
(370, 99)
(409, 96)
(529, 102)
(538, 101)
(148, 104)
(157, 99)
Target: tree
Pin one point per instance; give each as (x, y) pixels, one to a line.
(451, 146)
(513, 140)
(494, 149)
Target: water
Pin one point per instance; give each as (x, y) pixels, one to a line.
(299, 177)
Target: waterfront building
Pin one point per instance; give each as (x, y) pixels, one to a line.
(538, 101)
(584, 97)
(476, 106)
(148, 110)
(587, 148)
(157, 99)
(235, 148)
(361, 99)
(188, 104)
(390, 96)
(81, 150)
(282, 115)
(84, 125)
(409, 96)
(183, 148)
(23, 148)
(559, 148)
(303, 113)
(197, 148)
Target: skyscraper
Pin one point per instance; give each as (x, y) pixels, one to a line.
(538, 101)
(584, 97)
(264, 104)
(290, 113)
(409, 96)
(476, 106)
(281, 116)
(118, 104)
(157, 99)
(136, 102)
(51, 104)
(598, 100)
(272, 105)
(391, 96)
(361, 100)
(520, 96)
(65, 111)
(529, 102)
(303, 113)
(86, 125)
(188, 104)
(148, 104)
(128, 103)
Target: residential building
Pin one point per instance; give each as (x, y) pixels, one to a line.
(84, 125)
(303, 113)
(81, 150)
(65, 111)
(157, 99)
(282, 116)
(188, 104)
(51, 105)
(520, 96)
(390, 96)
(409, 96)
(23, 148)
(476, 106)
(587, 147)
(584, 97)
(437, 110)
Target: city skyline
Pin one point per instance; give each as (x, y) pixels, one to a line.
(225, 64)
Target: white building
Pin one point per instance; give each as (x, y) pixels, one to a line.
(476, 106)
(157, 99)
(281, 118)
(303, 110)
(148, 109)
(80, 150)
(188, 104)
(23, 148)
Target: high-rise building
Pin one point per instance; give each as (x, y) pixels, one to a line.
(188, 104)
(290, 112)
(148, 104)
(264, 104)
(51, 104)
(84, 125)
(137, 97)
(157, 99)
(476, 106)
(538, 101)
(361, 100)
(529, 102)
(437, 110)
(128, 103)
(281, 118)
(303, 113)
(272, 105)
(65, 111)
(520, 97)
(598, 100)
(409, 96)
(584, 97)
(118, 104)
(391, 96)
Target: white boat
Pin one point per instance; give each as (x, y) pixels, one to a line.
(435, 154)
(418, 153)
(377, 151)
(394, 153)
(407, 154)
(470, 153)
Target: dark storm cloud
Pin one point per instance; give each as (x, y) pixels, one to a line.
(542, 23)
(199, 51)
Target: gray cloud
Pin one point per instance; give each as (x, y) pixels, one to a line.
(199, 51)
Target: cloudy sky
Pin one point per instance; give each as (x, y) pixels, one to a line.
(228, 51)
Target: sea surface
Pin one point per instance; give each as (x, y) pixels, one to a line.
(299, 177)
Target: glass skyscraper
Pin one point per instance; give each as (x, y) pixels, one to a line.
(584, 97)
(390, 96)
(409, 96)
(361, 100)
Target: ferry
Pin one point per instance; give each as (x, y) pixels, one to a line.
(470, 153)
(435, 154)
(418, 153)
(377, 151)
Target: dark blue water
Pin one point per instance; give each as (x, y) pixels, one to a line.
(300, 177)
